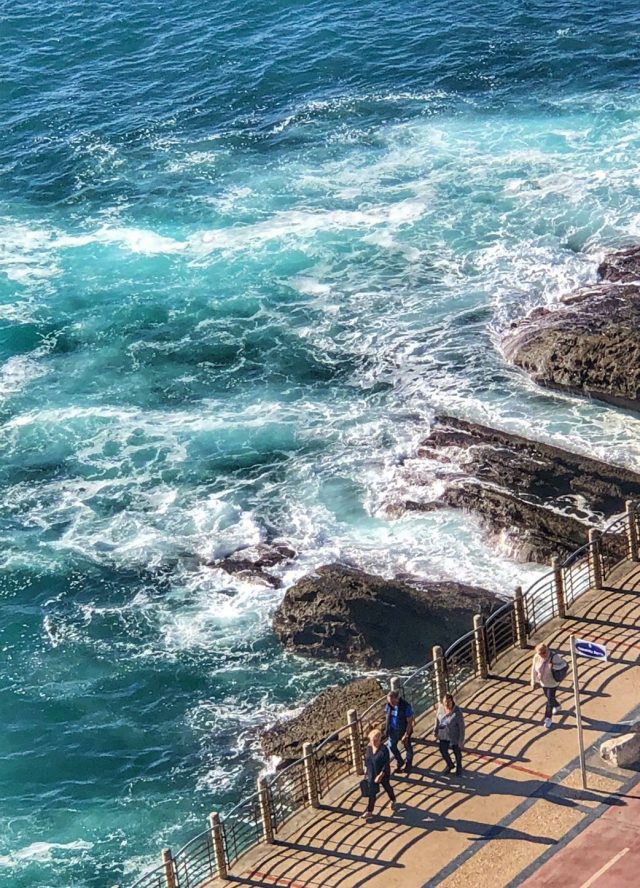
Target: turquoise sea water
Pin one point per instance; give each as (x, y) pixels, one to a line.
(246, 251)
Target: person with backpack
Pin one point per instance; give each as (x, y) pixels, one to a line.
(548, 669)
(399, 727)
(449, 732)
(377, 762)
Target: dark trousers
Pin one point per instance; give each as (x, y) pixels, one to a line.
(444, 752)
(550, 694)
(394, 739)
(374, 789)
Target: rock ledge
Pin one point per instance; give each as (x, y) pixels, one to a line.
(345, 614)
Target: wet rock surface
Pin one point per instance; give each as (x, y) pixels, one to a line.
(528, 531)
(590, 343)
(623, 265)
(251, 562)
(326, 713)
(345, 614)
(537, 499)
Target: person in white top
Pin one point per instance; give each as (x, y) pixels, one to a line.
(544, 662)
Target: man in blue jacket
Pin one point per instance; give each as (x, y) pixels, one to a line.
(399, 727)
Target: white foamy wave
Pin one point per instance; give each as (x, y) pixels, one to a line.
(536, 274)
(206, 159)
(309, 286)
(18, 372)
(137, 240)
(31, 253)
(301, 224)
(26, 252)
(219, 779)
(43, 852)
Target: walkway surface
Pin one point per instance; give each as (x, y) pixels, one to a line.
(518, 816)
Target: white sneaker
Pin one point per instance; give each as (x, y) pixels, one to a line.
(548, 723)
(556, 709)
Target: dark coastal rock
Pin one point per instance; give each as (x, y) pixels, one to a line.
(527, 531)
(623, 265)
(342, 613)
(536, 499)
(590, 343)
(324, 714)
(251, 563)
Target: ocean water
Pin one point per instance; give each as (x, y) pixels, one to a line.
(247, 251)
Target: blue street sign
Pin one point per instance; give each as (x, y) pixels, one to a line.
(591, 649)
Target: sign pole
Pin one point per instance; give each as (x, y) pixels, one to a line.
(576, 693)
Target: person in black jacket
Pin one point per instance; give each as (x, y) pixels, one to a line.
(377, 764)
(399, 727)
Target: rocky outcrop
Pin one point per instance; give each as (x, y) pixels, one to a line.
(251, 562)
(536, 499)
(623, 751)
(342, 613)
(526, 531)
(590, 343)
(324, 714)
(623, 265)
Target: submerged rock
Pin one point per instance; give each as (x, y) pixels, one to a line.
(345, 614)
(324, 714)
(590, 343)
(250, 563)
(536, 499)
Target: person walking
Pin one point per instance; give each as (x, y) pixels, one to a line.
(377, 762)
(399, 725)
(545, 663)
(449, 732)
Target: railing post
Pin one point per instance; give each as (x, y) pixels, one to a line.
(438, 669)
(521, 619)
(310, 774)
(354, 741)
(558, 583)
(218, 845)
(169, 871)
(595, 557)
(632, 530)
(480, 647)
(265, 811)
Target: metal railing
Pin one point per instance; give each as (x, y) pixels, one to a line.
(373, 716)
(420, 689)
(614, 545)
(540, 603)
(333, 760)
(195, 862)
(154, 878)
(241, 829)
(577, 573)
(500, 631)
(459, 662)
(288, 791)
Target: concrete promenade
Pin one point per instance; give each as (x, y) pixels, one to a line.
(519, 810)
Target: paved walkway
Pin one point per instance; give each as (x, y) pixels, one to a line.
(520, 799)
(605, 854)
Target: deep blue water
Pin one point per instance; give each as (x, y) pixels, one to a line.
(246, 251)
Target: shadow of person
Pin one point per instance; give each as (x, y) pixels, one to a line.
(418, 818)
